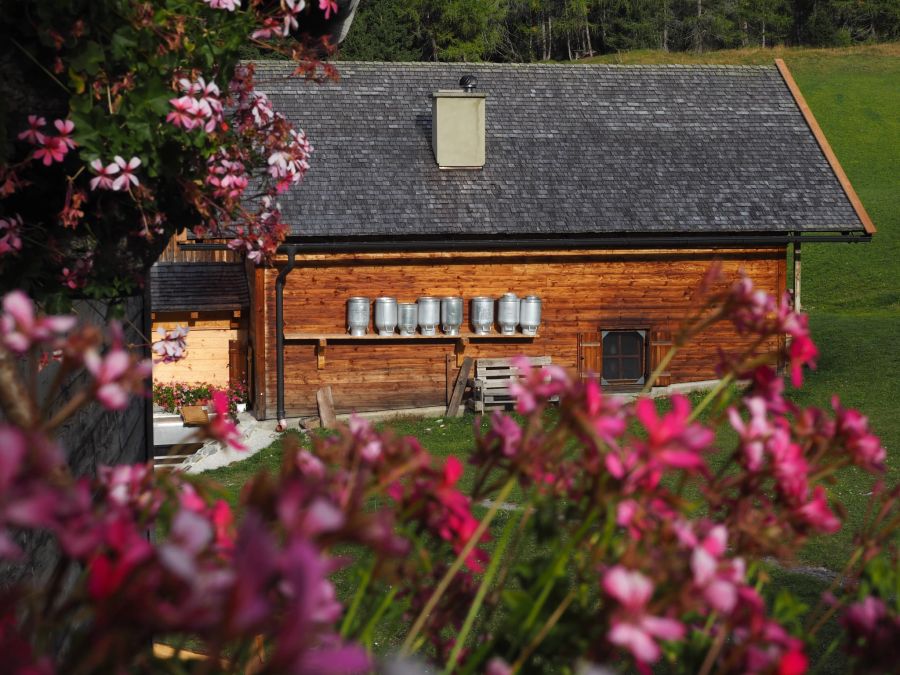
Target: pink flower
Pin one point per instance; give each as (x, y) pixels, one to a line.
(718, 581)
(20, 328)
(171, 345)
(221, 428)
(507, 432)
(754, 434)
(794, 662)
(536, 385)
(328, 6)
(104, 177)
(632, 628)
(852, 428)
(65, 129)
(672, 442)
(227, 5)
(292, 9)
(185, 113)
(126, 176)
(108, 372)
(10, 229)
(803, 352)
(497, 666)
(817, 513)
(31, 134)
(54, 148)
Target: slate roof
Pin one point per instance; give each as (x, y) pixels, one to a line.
(571, 150)
(195, 286)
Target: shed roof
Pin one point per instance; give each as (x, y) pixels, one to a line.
(196, 286)
(571, 150)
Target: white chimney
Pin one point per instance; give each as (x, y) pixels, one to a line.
(457, 126)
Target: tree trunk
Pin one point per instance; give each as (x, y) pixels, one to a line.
(549, 53)
(764, 33)
(569, 44)
(698, 32)
(589, 49)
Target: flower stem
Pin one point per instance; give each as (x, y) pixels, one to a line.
(457, 564)
(365, 635)
(551, 573)
(493, 567)
(543, 632)
(711, 396)
(357, 599)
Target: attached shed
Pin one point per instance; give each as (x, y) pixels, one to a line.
(608, 191)
(212, 299)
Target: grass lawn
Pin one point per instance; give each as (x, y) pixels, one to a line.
(850, 291)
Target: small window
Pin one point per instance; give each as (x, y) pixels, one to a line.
(624, 356)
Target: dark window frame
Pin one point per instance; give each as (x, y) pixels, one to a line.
(643, 353)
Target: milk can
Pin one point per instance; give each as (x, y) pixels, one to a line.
(385, 315)
(508, 313)
(407, 318)
(530, 314)
(358, 315)
(451, 314)
(429, 314)
(482, 315)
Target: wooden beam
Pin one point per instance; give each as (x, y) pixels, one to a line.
(325, 400)
(320, 353)
(825, 146)
(459, 388)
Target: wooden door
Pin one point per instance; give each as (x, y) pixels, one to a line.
(590, 354)
(237, 361)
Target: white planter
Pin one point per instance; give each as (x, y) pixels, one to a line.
(241, 407)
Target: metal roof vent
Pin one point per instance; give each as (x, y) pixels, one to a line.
(457, 126)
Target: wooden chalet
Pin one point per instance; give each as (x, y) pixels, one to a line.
(608, 191)
(212, 299)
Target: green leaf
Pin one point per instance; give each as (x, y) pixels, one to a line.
(89, 59)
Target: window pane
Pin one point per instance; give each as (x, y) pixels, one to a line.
(631, 343)
(611, 344)
(611, 369)
(631, 368)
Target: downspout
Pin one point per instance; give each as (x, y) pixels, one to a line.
(797, 305)
(279, 336)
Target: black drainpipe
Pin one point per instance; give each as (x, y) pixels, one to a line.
(279, 335)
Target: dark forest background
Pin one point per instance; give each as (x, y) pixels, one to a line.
(543, 30)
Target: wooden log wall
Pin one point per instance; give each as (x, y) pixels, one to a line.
(207, 359)
(582, 292)
(175, 253)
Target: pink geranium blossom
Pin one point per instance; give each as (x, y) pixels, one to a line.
(126, 174)
(221, 427)
(632, 628)
(328, 6)
(104, 177)
(54, 148)
(31, 134)
(20, 329)
(10, 234)
(227, 5)
(817, 513)
(171, 345)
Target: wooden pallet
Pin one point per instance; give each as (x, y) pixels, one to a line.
(492, 380)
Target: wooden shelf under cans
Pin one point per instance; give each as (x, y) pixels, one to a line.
(321, 340)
